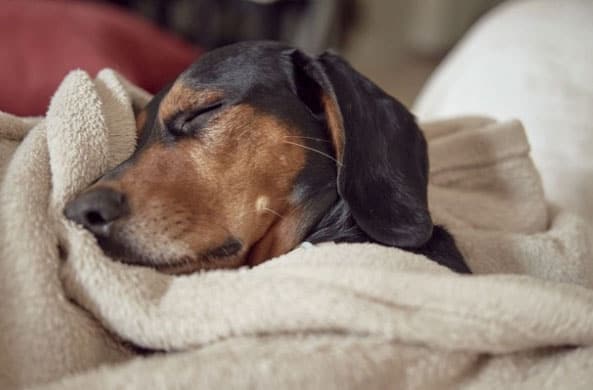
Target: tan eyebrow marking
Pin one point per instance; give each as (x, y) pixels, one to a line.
(181, 97)
(140, 122)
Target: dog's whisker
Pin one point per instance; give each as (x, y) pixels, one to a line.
(273, 212)
(311, 138)
(262, 209)
(314, 150)
(247, 128)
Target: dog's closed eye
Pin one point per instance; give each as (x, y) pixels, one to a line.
(189, 123)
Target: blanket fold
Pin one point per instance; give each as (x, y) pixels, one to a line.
(331, 316)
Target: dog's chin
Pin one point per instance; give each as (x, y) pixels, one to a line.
(123, 253)
(227, 255)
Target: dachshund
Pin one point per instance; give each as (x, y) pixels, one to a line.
(255, 149)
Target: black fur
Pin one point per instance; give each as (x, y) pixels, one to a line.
(338, 225)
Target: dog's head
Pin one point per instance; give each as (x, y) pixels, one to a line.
(247, 151)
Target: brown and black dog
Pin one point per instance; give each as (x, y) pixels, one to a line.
(256, 148)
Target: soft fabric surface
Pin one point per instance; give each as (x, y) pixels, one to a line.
(42, 40)
(529, 60)
(331, 316)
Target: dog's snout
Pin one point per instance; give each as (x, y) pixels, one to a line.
(97, 209)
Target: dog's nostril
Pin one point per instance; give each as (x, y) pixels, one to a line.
(95, 218)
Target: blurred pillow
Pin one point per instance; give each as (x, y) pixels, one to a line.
(43, 40)
(530, 60)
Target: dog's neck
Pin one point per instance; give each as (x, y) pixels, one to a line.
(337, 225)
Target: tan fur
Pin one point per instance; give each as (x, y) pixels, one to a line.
(282, 237)
(335, 124)
(140, 122)
(182, 97)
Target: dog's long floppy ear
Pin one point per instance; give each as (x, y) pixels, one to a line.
(381, 153)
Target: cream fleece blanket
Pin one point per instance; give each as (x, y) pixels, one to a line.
(327, 317)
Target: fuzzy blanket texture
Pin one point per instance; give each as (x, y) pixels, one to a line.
(327, 317)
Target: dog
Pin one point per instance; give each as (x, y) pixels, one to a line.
(255, 149)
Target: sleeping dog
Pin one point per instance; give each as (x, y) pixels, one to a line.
(256, 148)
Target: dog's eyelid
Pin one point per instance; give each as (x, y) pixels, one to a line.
(204, 109)
(201, 115)
(188, 123)
(201, 112)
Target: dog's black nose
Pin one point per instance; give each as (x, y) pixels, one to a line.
(97, 209)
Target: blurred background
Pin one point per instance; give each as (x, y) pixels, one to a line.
(396, 43)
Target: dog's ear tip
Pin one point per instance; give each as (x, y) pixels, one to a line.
(408, 236)
(416, 237)
(411, 234)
